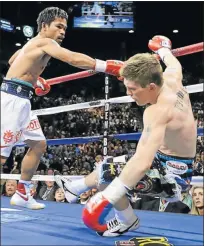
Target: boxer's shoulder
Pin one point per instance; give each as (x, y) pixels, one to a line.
(161, 111)
(40, 42)
(48, 41)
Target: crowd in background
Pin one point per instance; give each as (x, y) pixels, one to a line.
(80, 159)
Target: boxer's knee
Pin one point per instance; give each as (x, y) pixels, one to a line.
(39, 147)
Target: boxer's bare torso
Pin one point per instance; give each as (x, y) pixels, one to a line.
(29, 62)
(181, 131)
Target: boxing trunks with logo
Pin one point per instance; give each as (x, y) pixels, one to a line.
(167, 177)
(16, 116)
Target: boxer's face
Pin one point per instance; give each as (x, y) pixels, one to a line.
(198, 197)
(56, 30)
(139, 94)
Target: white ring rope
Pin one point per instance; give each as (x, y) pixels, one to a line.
(99, 103)
(196, 180)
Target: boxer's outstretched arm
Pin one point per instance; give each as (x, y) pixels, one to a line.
(151, 139)
(54, 50)
(162, 46)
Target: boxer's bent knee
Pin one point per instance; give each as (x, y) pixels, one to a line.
(37, 146)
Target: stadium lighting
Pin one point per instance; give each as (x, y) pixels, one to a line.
(175, 31)
(18, 44)
(131, 31)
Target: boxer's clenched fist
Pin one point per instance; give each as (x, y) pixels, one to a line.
(95, 212)
(111, 67)
(42, 87)
(158, 42)
(100, 205)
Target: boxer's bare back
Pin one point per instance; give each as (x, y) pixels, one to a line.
(181, 131)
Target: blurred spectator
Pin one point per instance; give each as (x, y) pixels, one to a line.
(98, 160)
(198, 200)
(10, 187)
(59, 195)
(47, 191)
(84, 197)
(145, 202)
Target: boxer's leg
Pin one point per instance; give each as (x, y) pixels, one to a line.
(124, 213)
(73, 188)
(34, 138)
(32, 158)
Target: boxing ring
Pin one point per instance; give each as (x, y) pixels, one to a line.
(61, 224)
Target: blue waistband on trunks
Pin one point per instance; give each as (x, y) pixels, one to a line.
(162, 157)
(167, 159)
(17, 87)
(21, 82)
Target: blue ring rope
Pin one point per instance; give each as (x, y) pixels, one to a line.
(83, 140)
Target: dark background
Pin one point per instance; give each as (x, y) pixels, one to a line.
(151, 18)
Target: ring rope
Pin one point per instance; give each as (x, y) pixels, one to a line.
(99, 103)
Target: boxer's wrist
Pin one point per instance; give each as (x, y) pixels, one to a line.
(100, 66)
(115, 191)
(162, 52)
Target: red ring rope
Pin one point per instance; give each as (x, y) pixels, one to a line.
(190, 49)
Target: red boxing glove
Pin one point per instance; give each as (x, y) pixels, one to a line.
(42, 87)
(159, 42)
(111, 67)
(95, 212)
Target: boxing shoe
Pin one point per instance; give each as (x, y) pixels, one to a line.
(117, 228)
(23, 198)
(65, 184)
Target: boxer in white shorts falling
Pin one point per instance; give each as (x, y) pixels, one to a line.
(26, 65)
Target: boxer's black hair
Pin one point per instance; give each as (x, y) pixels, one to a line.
(48, 15)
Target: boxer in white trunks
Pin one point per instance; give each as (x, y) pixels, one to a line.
(26, 65)
(165, 151)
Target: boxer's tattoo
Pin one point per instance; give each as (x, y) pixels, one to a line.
(148, 130)
(146, 133)
(181, 99)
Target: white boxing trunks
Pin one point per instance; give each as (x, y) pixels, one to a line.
(17, 122)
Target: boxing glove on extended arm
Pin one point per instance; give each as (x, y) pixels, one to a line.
(111, 67)
(157, 43)
(162, 46)
(42, 87)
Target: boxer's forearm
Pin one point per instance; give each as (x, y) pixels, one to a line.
(82, 61)
(169, 59)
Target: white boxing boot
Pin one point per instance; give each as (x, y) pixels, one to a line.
(23, 198)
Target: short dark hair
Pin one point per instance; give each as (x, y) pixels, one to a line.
(144, 69)
(48, 15)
